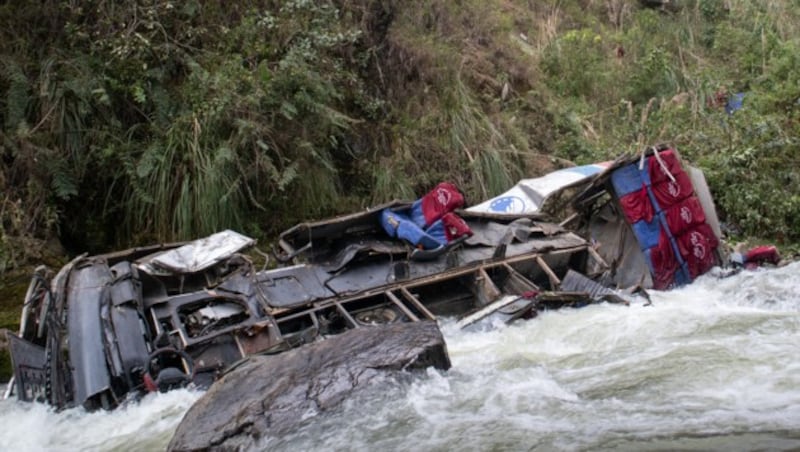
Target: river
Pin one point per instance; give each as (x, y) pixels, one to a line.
(712, 366)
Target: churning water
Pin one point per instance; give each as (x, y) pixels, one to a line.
(713, 366)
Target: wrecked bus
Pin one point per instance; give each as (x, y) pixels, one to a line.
(109, 328)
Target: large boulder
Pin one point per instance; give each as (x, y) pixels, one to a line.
(272, 395)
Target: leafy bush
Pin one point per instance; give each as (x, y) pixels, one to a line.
(574, 63)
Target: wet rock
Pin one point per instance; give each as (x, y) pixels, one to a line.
(272, 395)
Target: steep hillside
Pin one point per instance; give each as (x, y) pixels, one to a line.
(125, 124)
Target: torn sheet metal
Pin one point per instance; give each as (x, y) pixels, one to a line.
(576, 282)
(491, 233)
(197, 255)
(517, 301)
(528, 195)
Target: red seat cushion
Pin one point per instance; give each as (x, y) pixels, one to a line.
(669, 193)
(658, 173)
(697, 247)
(444, 198)
(637, 206)
(684, 214)
(663, 262)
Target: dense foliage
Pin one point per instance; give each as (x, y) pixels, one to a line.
(131, 122)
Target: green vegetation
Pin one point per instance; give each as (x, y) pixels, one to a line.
(667, 83)
(129, 123)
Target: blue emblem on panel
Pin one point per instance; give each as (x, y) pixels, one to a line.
(508, 204)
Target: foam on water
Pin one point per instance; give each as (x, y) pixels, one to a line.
(711, 366)
(146, 425)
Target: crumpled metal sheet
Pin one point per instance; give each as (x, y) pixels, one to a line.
(493, 233)
(197, 255)
(529, 195)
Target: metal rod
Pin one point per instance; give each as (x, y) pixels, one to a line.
(417, 303)
(554, 281)
(347, 315)
(402, 307)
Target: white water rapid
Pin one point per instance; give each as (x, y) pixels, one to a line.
(712, 366)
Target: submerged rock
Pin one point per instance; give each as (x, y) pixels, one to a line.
(272, 395)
